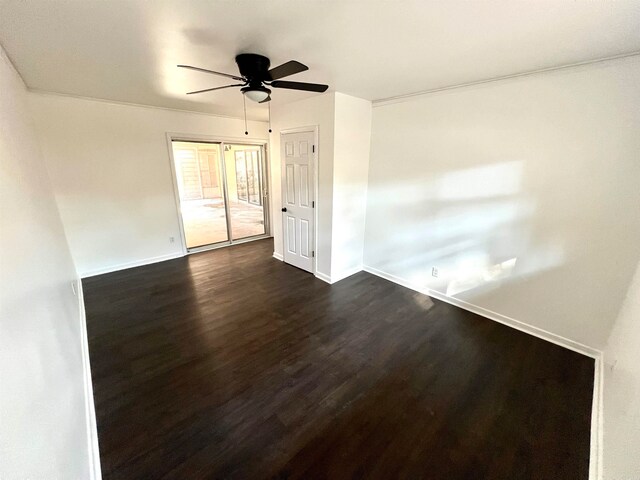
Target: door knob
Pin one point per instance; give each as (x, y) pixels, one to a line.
(284, 209)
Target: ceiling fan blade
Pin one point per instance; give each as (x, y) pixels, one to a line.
(198, 69)
(268, 99)
(309, 87)
(286, 69)
(217, 88)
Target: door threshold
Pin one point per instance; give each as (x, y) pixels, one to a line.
(206, 248)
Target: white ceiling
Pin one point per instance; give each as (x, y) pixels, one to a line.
(128, 50)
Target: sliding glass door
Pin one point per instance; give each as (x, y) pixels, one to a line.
(221, 189)
(246, 199)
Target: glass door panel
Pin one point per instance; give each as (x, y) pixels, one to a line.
(198, 168)
(253, 177)
(244, 181)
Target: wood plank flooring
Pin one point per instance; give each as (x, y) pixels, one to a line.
(232, 365)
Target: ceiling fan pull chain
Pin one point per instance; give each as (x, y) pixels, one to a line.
(244, 104)
(269, 105)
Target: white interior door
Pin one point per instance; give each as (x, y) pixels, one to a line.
(298, 198)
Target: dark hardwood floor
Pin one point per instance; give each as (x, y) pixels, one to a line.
(232, 365)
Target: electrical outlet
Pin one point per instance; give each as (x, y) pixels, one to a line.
(434, 271)
(172, 239)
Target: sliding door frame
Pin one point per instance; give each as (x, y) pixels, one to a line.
(265, 184)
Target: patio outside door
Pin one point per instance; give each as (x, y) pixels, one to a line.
(221, 192)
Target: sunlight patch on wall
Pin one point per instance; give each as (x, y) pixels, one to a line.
(471, 274)
(495, 180)
(475, 226)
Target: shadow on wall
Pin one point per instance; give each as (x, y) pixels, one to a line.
(474, 227)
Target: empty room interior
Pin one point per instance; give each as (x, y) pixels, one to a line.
(320, 239)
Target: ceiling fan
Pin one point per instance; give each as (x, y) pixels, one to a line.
(256, 76)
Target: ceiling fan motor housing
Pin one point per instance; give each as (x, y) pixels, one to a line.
(253, 67)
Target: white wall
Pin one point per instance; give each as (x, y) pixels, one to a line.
(111, 173)
(622, 390)
(524, 193)
(318, 110)
(352, 140)
(344, 129)
(43, 430)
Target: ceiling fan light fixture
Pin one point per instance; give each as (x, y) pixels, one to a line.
(256, 94)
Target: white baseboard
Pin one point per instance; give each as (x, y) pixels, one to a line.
(278, 256)
(324, 277)
(95, 472)
(341, 276)
(346, 273)
(124, 266)
(498, 317)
